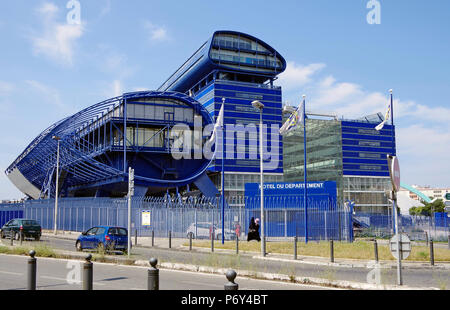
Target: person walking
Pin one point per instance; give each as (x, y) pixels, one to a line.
(253, 230)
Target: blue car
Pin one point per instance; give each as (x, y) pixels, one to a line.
(103, 238)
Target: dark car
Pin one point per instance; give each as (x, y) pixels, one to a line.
(103, 238)
(29, 229)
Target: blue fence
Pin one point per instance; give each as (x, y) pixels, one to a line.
(9, 212)
(284, 219)
(417, 227)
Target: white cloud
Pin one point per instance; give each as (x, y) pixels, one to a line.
(156, 33)
(423, 152)
(47, 93)
(57, 40)
(106, 9)
(140, 89)
(6, 88)
(297, 75)
(117, 88)
(423, 131)
(111, 89)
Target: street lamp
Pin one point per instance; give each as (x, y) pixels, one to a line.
(258, 105)
(57, 183)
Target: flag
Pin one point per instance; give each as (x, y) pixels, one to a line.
(386, 118)
(294, 121)
(219, 124)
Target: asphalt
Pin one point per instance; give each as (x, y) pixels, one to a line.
(63, 274)
(351, 274)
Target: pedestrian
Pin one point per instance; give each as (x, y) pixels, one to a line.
(238, 229)
(253, 230)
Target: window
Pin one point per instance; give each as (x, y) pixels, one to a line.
(116, 231)
(92, 231)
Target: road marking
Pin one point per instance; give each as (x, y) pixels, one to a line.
(202, 283)
(65, 280)
(11, 273)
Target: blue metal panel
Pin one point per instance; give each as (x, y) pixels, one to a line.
(365, 150)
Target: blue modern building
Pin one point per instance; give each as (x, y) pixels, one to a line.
(238, 68)
(350, 152)
(139, 130)
(98, 144)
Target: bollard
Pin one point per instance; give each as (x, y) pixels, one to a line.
(153, 276)
(237, 244)
(153, 238)
(31, 286)
(332, 251)
(212, 242)
(170, 239)
(295, 247)
(231, 286)
(431, 252)
(88, 274)
(375, 246)
(190, 241)
(264, 249)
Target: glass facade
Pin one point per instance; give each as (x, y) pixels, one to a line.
(326, 157)
(324, 153)
(368, 193)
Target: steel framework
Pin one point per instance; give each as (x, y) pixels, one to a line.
(86, 139)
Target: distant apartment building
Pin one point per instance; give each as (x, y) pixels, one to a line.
(431, 192)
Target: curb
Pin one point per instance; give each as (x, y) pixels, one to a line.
(368, 264)
(342, 284)
(284, 278)
(362, 264)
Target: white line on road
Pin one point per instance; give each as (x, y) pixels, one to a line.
(65, 280)
(202, 284)
(11, 273)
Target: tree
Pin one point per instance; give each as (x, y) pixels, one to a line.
(429, 208)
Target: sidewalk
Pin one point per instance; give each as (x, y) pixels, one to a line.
(174, 259)
(180, 244)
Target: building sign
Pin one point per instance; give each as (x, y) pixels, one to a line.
(146, 217)
(318, 192)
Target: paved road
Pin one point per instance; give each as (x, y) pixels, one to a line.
(53, 274)
(437, 278)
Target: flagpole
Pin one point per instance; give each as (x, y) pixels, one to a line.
(393, 147)
(305, 197)
(223, 174)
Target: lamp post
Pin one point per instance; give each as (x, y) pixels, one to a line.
(57, 184)
(258, 105)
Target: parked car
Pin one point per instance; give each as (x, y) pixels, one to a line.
(201, 230)
(103, 238)
(29, 228)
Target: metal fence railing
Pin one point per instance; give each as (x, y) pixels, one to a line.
(420, 228)
(284, 218)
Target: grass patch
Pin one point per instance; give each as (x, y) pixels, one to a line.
(41, 250)
(355, 250)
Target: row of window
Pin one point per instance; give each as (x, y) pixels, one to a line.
(246, 60)
(152, 112)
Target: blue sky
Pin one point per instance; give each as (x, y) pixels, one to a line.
(51, 69)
